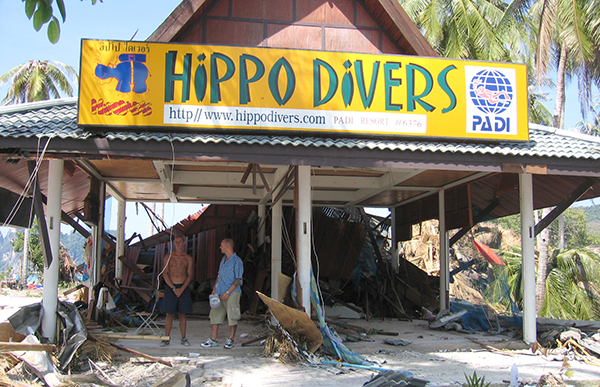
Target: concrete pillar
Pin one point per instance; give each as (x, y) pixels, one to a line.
(444, 258)
(528, 256)
(93, 263)
(303, 234)
(276, 243)
(262, 214)
(53, 212)
(120, 238)
(100, 231)
(394, 248)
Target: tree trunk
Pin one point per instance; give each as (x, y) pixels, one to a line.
(559, 122)
(561, 231)
(25, 260)
(559, 107)
(543, 240)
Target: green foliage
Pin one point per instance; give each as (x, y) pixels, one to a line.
(6, 274)
(42, 12)
(475, 381)
(511, 222)
(573, 286)
(576, 230)
(592, 128)
(578, 234)
(505, 282)
(593, 213)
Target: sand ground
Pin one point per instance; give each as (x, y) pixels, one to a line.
(441, 357)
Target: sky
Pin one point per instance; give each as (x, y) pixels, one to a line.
(119, 20)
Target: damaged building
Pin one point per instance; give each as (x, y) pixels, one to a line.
(290, 192)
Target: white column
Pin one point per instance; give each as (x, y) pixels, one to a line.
(528, 257)
(100, 232)
(53, 212)
(120, 238)
(276, 243)
(394, 246)
(262, 214)
(303, 233)
(444, 261)
(93, 262)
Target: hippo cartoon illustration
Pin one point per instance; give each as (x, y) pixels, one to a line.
(130, 72)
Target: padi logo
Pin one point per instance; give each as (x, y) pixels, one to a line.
(491, 91)
(491, 94)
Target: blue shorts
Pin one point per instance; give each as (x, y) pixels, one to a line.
(172, 303)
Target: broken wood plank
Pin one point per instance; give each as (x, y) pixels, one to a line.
(117, 336)
(134, 268)
(76, 288)
(11, 346)
(140, 354)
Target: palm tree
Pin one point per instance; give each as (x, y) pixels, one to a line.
(568, 38)
(468, 29)
(491, 30)
(592, 128)
(573, 290)
(38, 80)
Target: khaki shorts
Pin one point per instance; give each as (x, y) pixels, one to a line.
(231, 308)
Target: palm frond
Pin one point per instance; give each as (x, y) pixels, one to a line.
(38, 80)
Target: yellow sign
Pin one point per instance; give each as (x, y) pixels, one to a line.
(174, 87)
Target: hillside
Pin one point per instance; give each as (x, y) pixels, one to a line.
(593, 217)
(73, 242)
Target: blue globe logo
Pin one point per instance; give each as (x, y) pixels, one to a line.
(491, 91)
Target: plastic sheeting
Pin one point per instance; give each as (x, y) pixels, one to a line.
(331, 340)
(27, 321)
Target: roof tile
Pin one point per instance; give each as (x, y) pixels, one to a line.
(58, 118)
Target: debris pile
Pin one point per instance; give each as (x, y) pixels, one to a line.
(565, 343)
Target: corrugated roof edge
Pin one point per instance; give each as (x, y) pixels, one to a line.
(563, 132)
(23, 107)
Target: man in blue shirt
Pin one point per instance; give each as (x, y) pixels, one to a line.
(228, 288)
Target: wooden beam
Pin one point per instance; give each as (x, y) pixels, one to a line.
(566, 203)
(125, 336)
(41, 217)
(13, 346)
(478, 218)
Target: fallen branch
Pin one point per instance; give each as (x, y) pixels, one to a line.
(140, 354)
(117, 336)
(494, 349)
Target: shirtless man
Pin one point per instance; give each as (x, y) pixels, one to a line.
(177, 272)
